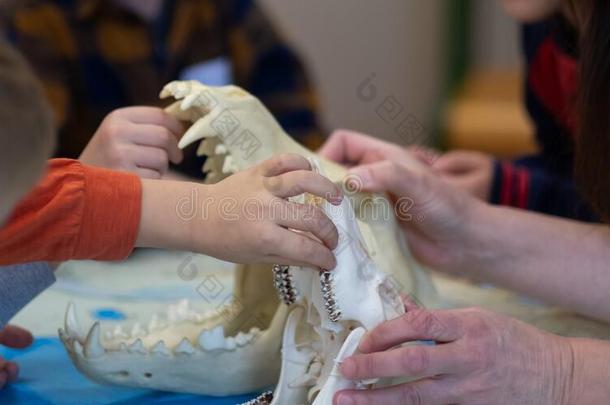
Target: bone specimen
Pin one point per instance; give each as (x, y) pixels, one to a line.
(293, 337)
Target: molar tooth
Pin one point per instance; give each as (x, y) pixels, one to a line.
(93, 346)
(243, 339)
(160, 349)
(209, 147)
(212, 339)
(137, 347)
(184, 347)
(71, 324)
(230, 343)
(119, 333)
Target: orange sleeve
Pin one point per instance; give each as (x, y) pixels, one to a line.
(75, 212)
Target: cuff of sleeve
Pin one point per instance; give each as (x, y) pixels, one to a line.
(111, 216)
(510, 185)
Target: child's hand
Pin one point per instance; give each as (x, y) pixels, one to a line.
(250, 219)
(142, 140)
(16, 338)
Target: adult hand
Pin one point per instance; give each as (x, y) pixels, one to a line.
(480, 358)
(467, 170)
(142, 140)
(16, 338)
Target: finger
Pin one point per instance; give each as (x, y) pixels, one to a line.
(15, 337)
(12, 371)
(302, 181)
(283, 163)
(427, 391)
(410, 303)
(144, 173)
(148, 157)
(455, 162)
(347, 147)
(309, 219)
(401, 179)
(425, 155)
(294, 248)
(411, 361)
(153, 116)
(418, 324)
(160, 137)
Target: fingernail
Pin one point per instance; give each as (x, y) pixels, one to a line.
(343, 398)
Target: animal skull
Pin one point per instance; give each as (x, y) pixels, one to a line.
(322, 316)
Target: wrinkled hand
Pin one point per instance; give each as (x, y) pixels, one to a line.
(16, 338)
(142, 140)
(467, 170)
(439, 236)
(480, 358)
(254, 222)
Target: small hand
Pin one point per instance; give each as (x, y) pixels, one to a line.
(142, 140)
(480, 358)
(16, 338)
(251, 220)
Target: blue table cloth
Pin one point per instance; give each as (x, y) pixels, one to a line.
(48, 377)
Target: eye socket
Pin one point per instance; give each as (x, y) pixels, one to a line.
(148, 375)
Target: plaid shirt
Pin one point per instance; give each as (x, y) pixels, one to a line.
(94, 56)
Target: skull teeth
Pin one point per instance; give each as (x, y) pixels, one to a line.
(263, 399)
(282, 280)
(330, 302)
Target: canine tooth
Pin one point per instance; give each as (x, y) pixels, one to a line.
(199, 130)
(184, 347)
(160, 348)
(93, 346)
(230, 343)
(71, 324)
(137, 347)
(78, 348)
(212, 339)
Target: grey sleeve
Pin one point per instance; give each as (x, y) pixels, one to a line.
(20, 284)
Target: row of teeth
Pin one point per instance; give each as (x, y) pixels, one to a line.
(208, 340)
(263, 399)
(330, 302)
(282, 281)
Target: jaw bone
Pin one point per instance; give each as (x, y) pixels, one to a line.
(188, 364)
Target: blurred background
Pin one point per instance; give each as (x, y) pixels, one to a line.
(454, 66)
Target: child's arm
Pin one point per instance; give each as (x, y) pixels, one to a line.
(80, 212)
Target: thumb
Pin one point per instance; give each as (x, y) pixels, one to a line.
(455, 163)
(15, 337)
